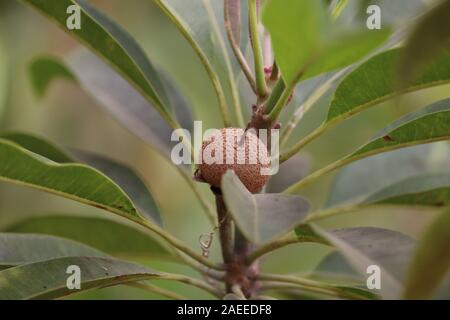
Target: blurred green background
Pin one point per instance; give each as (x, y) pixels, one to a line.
(68, 117)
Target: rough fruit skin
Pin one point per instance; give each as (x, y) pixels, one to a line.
(249, 174)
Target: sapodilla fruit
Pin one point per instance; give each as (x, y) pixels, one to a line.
(246, 165)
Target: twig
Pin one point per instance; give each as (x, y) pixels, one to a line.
(309, 285)
(193, 282)
(257, 50)
(204, 60)
(158, 290)
(237, 50)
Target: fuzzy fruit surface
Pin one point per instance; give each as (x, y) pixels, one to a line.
(246, 165)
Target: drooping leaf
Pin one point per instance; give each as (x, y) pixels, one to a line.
(261, 217)
(431, 260)
(73, 181)
(364, 247)
(358, 179)
(430, 38)
(48, 279)
(373, 82)
(104, 37)
(125, 177)
(307, 43)
(106, 235)
(118, 97)
(17, 249)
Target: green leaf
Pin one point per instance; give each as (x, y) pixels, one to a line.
(201, 24)
(117, 97)
(38, 146)
(429, 124)
(305, 233)
(17, 249)
(48, 279)
(125, 177)
(112, 44)
(106, 235)
(44, 70)
(357, 180)
(261, 217)
(290, 171)
(4, 76)
(372, 83)
(423, 190)
(431, 260)
(364, 247)
(73, 181)
(307, 43)
(430, 38)
(334, 268)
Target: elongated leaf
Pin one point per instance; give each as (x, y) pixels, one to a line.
(116, 96)
(126, 178)
(108, 236)
(373, 82)
(424, 190)
(16, 249)
(431, 260)
(307, 43)
(306, 233)
(261, 217)
(429, 39)
(48, 279)
(44, 70)
(233, 7)
(111, 43)
(201, 24)
(73, 181)
(357, 179)
(363, 247)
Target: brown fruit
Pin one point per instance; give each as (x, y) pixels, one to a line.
(231, 140)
